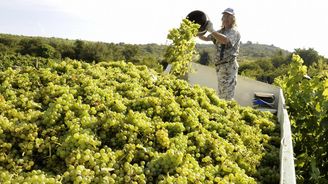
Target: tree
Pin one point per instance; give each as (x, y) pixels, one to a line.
(130, 51)
(47, 51)
(37, 47)
(79, 45)
(3, 48)
(279, 59)
(309, 56)
(250, 69)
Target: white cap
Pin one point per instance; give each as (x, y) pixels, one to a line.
(229, 11)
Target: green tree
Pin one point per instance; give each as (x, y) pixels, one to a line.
(78, 49)
(9, 43)
(130, 52)
(89, 51)
(3, 48)
(67, 51)
(37, 47)
(250, 69)
(309, 56)
(279, 59)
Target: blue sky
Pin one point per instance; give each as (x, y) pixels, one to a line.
(288, 24)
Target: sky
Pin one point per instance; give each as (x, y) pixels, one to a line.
(288, 24)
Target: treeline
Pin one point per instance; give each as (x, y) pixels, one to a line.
(248, 51)
(148, 54)
(257, 61)
(57, 48)
(267, 69)
(266, 62)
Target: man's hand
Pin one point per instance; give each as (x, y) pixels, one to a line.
(209, 27)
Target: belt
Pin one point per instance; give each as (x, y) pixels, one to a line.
(221, 63)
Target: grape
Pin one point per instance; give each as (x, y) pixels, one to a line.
(114, 122)
(180, 52)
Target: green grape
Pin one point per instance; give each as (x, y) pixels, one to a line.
(114, 122)
(180, 52)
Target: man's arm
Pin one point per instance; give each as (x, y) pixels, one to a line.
(221, 38)
(204, 38)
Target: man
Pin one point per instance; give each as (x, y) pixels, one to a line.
(227, 42)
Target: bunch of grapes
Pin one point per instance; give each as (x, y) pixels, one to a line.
(182, 49)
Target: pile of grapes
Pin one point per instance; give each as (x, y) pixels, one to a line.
(114, 122)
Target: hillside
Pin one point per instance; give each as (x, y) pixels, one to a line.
(251, 50)
(97, 51)
(248, 50)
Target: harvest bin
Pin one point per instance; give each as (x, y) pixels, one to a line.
(244, 95)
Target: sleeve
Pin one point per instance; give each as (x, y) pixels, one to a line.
(233, 37)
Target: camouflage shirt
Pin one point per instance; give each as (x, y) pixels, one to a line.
(227, 52)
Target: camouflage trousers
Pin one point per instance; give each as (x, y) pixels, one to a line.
(227, 79)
